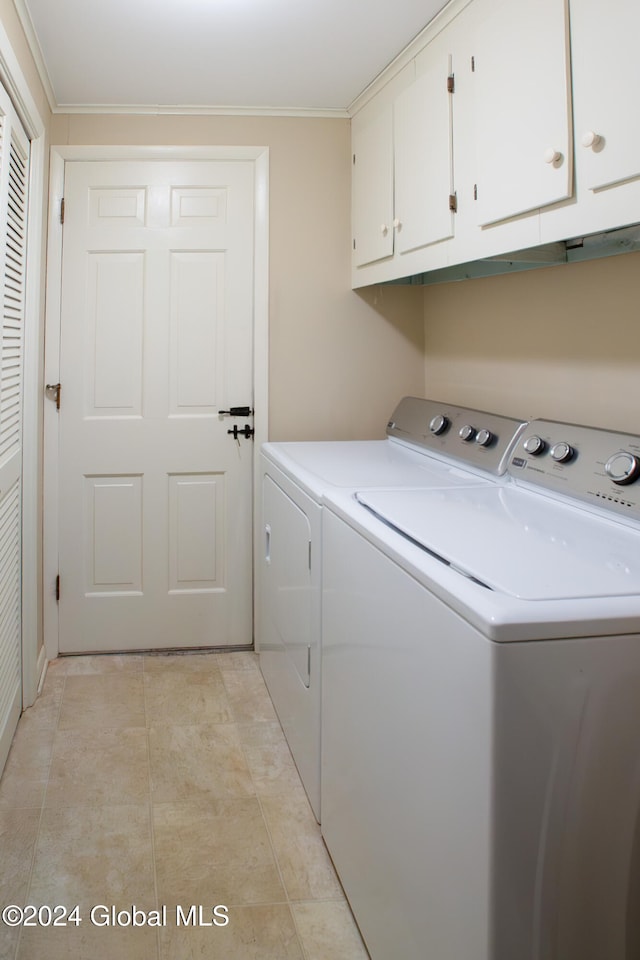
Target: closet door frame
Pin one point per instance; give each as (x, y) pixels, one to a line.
(33, 660)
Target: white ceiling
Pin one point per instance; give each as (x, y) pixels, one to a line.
(278, 54)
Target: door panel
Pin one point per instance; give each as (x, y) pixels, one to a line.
(156, 338)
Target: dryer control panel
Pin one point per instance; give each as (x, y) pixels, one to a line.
(595, 466)
(474, 437)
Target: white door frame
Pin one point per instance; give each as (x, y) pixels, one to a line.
(16, 85)
(59, 156)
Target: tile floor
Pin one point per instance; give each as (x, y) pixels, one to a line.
(164, 780)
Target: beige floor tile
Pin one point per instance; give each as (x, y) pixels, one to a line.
(238, 660)
(191, 762)
(306, 868)
(328, 931)
(102, 855)
(102, 700)
(214, 851)
(8, 942)
(18, 833)
(248, 696)
(99, 766)
(89, 942)
(27, 767)
(185, 697)
(109, 663)
(272, 768)
(253, 933)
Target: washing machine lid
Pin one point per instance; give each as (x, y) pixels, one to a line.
(515, 542)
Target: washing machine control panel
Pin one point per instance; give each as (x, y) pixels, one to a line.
(600, 467)
(476, 438)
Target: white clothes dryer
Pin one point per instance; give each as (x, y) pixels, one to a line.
(429, 444)
(481, 707)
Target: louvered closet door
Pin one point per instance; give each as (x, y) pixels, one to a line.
(14, 163)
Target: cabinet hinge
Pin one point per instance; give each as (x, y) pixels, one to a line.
(453, 202)
(62, 210)
(473, 64)
(309, 554)
(309, 660)
(451, 83)
(354, 159)
(58, 589)
(475, 191)
(354, 243)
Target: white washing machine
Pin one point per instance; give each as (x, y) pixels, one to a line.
(481, 707)
(428, 444)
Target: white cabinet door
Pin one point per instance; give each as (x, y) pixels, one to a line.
(606, 78)
(522, 108)
(423, 159)
(372, 148)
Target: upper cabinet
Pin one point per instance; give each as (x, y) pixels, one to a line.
(423, 152)
(402, 167)
(372, 184)
(507, 124)
(606, 78)
(521, 80)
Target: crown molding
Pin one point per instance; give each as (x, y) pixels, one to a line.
(36, 52)
(200, 110)
(419, 42)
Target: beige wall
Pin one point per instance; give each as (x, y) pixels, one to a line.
(562, 342)
(339, 361)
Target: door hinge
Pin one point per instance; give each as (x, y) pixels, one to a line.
(55, 389)
(58, 589)
(451, 83)
(453, 202)
(62, 210)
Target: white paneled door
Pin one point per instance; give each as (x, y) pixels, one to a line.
(156, 339)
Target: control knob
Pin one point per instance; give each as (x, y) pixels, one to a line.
(484, 437)
(562, 452)
(467, 432)
(622, 467)
(438, 425)
(534, 445)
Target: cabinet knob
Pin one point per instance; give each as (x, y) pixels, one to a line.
(396, 224)
(590, 138)
(551, 155)
(384, 229)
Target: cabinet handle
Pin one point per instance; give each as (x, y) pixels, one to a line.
(397, 224)
(590, 138)
(551, 155)
(384, 229)
(267, 542)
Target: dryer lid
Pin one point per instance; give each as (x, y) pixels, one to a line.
(516, 542)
